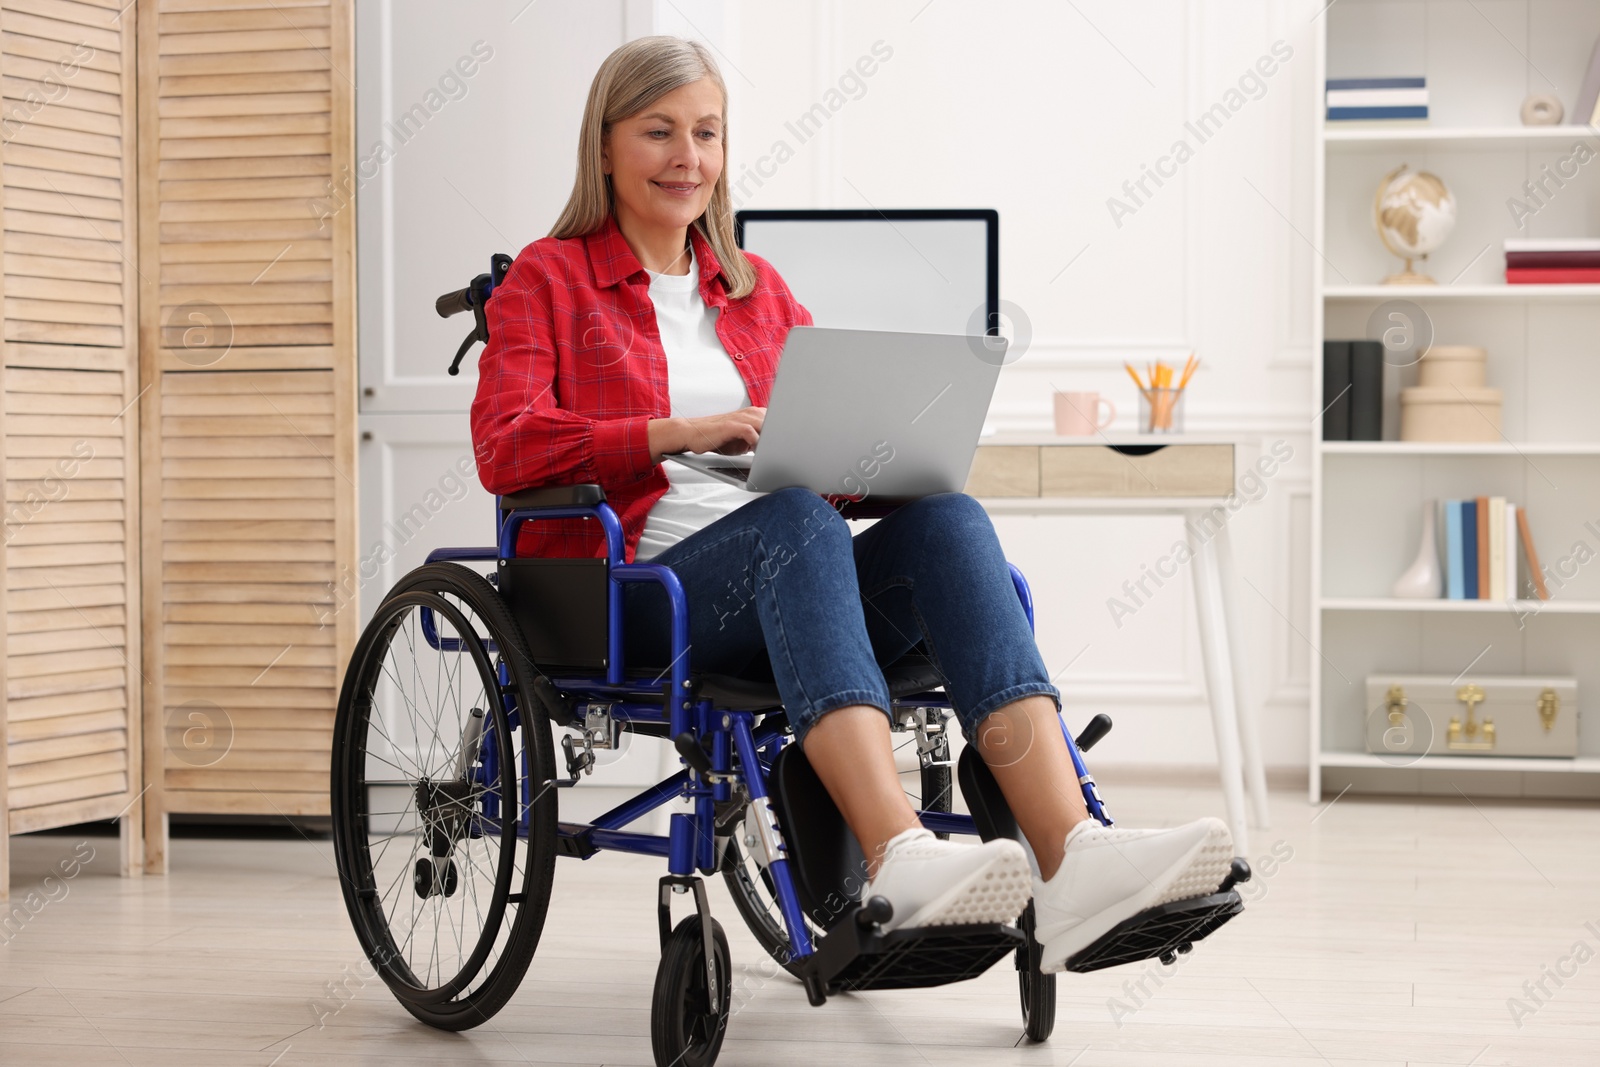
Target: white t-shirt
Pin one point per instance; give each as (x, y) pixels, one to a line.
(701, 380)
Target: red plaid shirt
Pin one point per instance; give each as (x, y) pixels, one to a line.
(574, 370)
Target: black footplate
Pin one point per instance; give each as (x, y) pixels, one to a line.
(1159, 933)
(856, 956)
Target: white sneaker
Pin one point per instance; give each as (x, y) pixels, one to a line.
(942, 883)
(1108, 875)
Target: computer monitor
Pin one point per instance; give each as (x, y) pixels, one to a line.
(934, 270)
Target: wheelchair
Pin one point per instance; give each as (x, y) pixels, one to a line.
(446, 783)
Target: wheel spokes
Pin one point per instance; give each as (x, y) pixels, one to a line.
(422, 739)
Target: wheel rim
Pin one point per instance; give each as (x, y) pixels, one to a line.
(429, 875)
(698, 1021)
(697, 1017)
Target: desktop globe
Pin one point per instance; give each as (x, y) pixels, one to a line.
(1413, 213)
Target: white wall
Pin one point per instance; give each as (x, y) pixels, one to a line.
(1037, 108)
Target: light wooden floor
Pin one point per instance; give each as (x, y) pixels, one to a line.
(1394, 932)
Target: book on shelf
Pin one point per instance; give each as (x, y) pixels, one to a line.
(1377, 99)
(1535, 572)
(1497, 548)
(1352, 390)
(1480, 512)
(1366, 390)
(1336, 390)
(1455, 577)
(1480, 549)
(1588, 98)
(1553, 260)
(1552, 275)
(1469, 549)
(1551, 244)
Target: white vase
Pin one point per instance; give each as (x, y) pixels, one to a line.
(1424, 579)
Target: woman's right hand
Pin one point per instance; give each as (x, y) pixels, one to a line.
(731, 434)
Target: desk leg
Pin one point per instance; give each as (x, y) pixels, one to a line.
(1219, 681)
(1255, 775)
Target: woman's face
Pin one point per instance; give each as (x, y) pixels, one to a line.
(664, 162)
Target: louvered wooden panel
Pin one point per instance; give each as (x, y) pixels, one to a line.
(67, 203)
(248, 560)
(67, 592)
(249, 471)
(69, 426)
(244, 116)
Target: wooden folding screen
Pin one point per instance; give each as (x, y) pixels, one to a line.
(248, 332)
(179, 408)
(69, 428)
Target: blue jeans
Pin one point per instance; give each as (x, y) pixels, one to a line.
(781, 585)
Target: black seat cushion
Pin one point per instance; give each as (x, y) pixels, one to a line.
(912, 673)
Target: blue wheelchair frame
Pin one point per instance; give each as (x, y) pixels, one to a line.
(690, 842)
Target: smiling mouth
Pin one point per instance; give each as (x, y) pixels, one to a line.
(678, 187)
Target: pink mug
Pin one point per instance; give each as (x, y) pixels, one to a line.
(1078, 414)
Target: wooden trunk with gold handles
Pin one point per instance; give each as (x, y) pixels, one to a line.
(1472, 716)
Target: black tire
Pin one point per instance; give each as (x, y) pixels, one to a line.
(687, 1024)
(474, 878)
(1037, 990)
(937, 783)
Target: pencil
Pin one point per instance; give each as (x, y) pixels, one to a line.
(1189, 369)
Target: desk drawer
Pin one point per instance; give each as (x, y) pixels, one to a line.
(1095, 470)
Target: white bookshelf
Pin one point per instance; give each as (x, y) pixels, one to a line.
(1460, 136)
(1509, 607)
(1429, 448)
(1544, 353)
(1495, 291)
(1367, 761)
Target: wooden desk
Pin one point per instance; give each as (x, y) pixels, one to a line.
(1187, 475)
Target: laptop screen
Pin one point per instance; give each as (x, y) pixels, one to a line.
(913, 271)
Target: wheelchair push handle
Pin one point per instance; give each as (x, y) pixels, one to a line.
(473, 298)
(457, 302)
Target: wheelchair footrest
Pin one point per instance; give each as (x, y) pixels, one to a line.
(1159, 933)
(852, 958)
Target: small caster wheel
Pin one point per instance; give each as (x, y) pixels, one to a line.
(450, 878)
(1187, 946)
(1169, 958)
(1037, 989)
(689, 1009)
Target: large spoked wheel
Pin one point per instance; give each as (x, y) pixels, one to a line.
(444, 829)
(1037, 990)
(744, 867)
(689, 1010)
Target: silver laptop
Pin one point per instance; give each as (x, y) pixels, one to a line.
(869, 413)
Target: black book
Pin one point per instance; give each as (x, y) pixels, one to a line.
(1366, 390)
(1336, 390)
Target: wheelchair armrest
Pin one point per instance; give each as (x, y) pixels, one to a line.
(554, 496)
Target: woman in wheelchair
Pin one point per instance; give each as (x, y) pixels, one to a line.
(638, 329)
(778, 652)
